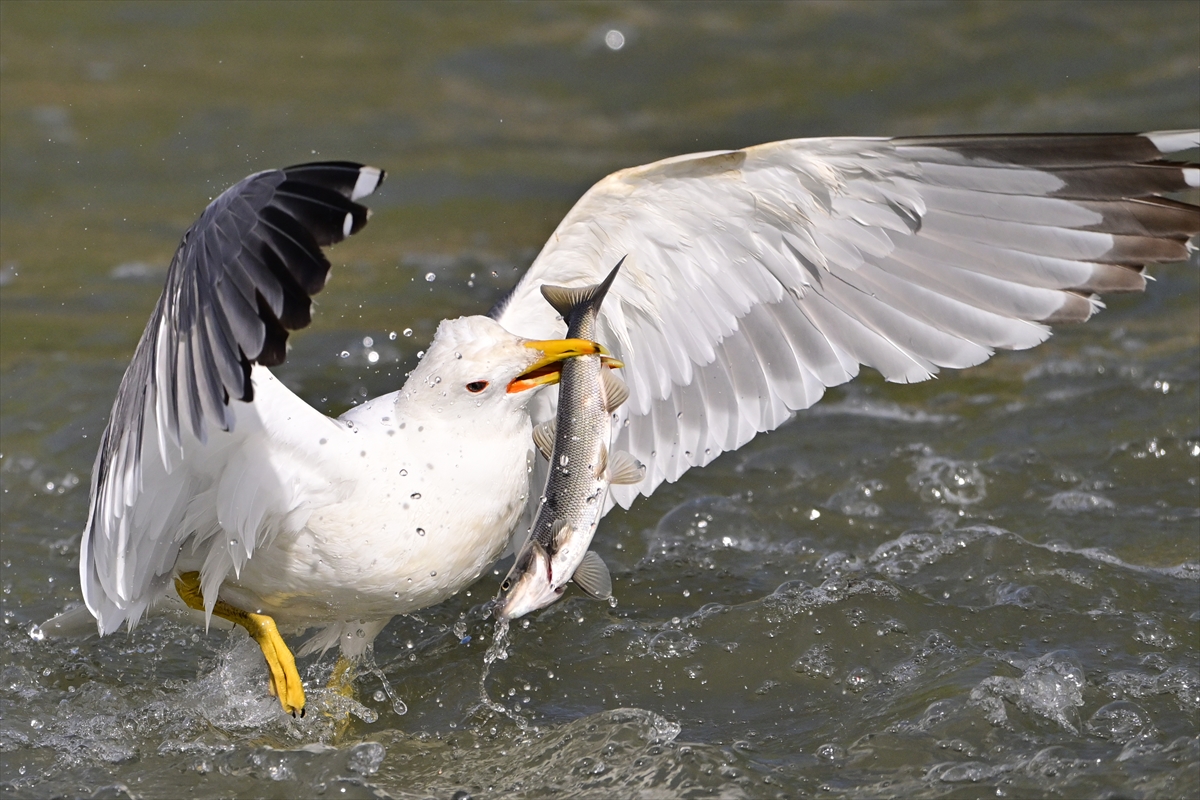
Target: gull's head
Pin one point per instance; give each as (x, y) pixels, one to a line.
(474, 364)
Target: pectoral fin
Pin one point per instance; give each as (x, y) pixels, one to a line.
(562, 529)
(543, 436)
(624, 469)
(592, 576)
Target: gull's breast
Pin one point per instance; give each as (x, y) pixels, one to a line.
(421, 524)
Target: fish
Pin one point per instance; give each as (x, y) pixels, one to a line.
(577, 443)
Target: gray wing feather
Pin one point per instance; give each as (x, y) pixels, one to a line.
(241, 279)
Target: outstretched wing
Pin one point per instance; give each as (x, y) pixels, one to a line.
(754, 279)
(243, 276)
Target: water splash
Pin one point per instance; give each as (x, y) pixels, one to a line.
(497, 651)
(398, 706)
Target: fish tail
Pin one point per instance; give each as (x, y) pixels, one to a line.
(567, 299)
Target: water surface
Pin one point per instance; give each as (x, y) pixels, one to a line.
(984, 585)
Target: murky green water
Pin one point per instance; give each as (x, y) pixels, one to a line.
(986, 585)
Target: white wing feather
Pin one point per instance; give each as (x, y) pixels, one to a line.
(755, 279)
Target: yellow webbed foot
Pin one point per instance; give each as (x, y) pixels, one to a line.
(285, 680)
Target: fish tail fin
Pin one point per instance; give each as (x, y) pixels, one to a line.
(567, 299)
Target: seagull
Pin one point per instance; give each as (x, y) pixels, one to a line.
(753, 280)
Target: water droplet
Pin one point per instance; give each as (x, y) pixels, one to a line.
(430, 277)
(416, 495)
(563, 460)
(458, 355)
(403, 472)
(368, 341)
(433, 574)
(379, 696)
(420, 531)
(408, 331)
(614, 39)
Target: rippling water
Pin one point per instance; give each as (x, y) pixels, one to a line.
(985, 585)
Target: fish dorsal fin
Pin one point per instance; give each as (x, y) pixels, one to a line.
(592, 576)
(624, 469)
(543, 436)
(567, 299)
(615, 390)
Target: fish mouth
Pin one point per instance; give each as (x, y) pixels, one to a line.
(548, 369)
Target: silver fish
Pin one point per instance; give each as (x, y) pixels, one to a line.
(582, 467)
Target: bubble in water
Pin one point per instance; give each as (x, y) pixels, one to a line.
(430, 277)
(614, 40)
(372, 357)
(420, 531)
(945, 480)
(858, 679)
(408, 331)
(344, 354)
(379, 696)
(830, 752)
(392, 336)
(415, 495)
(368, 341)
(1120, 721)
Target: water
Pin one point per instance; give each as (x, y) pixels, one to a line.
(984, 585)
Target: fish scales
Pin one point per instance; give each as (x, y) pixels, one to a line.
(581, 470)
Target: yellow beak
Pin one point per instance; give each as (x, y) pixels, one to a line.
(548, 369)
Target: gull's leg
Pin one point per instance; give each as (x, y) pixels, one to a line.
(341, 680)
(285, 680)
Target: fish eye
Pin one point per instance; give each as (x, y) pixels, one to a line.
(475, 387)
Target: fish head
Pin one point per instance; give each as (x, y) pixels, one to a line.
(529, 585)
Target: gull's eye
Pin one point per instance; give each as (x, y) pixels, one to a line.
(475, 387)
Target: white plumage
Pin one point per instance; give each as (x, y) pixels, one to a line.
(754, 280)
